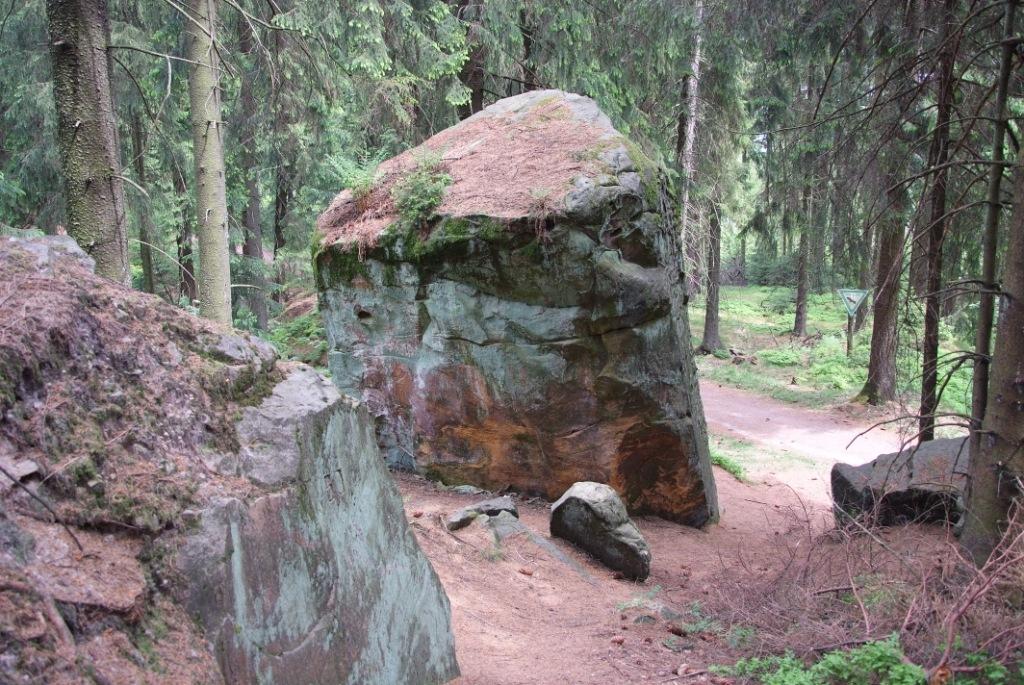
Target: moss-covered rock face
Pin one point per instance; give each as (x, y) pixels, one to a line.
(317, 578)
(523, 337)
(194, 477)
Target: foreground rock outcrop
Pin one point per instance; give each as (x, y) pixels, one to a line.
(529, 331)
(923, 483)
(186, 508)
(592, 517)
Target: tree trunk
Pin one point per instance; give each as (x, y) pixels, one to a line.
(712, 338)
(990, 239)
(864, 272)
(252, 247)
(880, 386)
(919, 252)
(997, 462)
(881, 383)
(285, 145)
(804, 248)
(685, 148)
(953, 258)
(90, 154)
(211, 195)
(743, 258)
(937, 228)
(146, 230)
(186, 269)
(526, 29)
(802, 286)
(472, 74)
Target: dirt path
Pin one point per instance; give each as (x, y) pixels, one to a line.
(524, 616)
(802, 444)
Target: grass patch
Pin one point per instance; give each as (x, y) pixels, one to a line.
(745, 460)
(728, 464)
(758, 320)
(640, 601)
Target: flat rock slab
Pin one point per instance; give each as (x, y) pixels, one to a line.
(504, 526)
(492, 507)
(923, 483)
(318, 579)
(104, 574)
(592, 517)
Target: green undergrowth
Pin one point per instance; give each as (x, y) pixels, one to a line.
(418, 193)
(757, 321)
(875, 663)
(301, 339)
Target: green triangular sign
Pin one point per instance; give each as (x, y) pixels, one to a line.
(852, 299)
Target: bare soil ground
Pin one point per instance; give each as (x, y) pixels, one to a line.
(522, 615)
(820, 438)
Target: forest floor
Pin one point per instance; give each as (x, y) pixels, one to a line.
(532, 610)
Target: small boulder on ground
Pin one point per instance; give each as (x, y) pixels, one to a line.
(491, 507)
(923, 483)
(592, 517)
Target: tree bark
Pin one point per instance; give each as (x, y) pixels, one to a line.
(743, 258)
(881, 383)
(146, 230)
(90, 154)
(187, 287)
(685, 148)
(997, 462)
(207, 149)
(804, 249)
(864, 271)
(802, 286)
(252, 247)
(472, 74)
(526, 30)
(880, 386)
(712, 339)
(936, 234)
(990, 239)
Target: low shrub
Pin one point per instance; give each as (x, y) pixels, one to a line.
(781, 356)
(875, 663)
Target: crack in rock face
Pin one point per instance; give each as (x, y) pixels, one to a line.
(517, 343)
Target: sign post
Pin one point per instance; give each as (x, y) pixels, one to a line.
(852, 300)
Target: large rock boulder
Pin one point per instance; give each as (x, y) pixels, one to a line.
(592, 517)
(922, 483)
(529, 331)
(220, 517)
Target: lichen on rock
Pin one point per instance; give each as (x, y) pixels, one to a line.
(533, 333)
